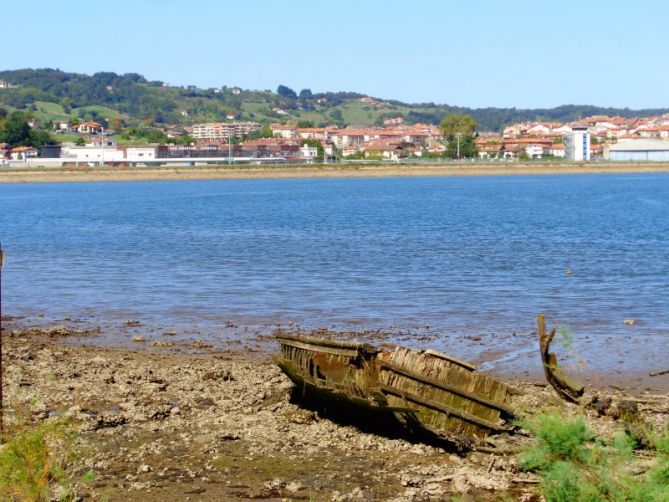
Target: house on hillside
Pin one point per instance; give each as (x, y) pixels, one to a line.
(393, 121)
(62, 126)
(89, 128)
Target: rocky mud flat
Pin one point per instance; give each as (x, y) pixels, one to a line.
(227, 425)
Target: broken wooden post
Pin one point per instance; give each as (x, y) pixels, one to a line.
(567, 388)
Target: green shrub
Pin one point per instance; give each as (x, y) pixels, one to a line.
(575, 466)
(659, 474)
(558, 440)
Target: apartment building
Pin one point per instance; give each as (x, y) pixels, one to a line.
(222, 130)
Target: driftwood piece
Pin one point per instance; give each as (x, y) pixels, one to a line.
(566, 387)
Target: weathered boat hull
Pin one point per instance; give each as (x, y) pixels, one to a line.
(433, 391)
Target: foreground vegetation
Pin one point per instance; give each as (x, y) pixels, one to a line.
(34, 459)
(575, 465)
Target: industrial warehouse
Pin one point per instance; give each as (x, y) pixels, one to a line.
(639, 150)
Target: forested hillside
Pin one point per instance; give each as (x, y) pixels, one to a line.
(56, 95)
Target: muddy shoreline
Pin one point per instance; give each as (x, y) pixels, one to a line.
(93, 174)
(178, 422)
(628, 364)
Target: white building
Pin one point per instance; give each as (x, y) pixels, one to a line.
(140, 154)
(577, 144)
(534, 151)
(308, 152)
(640, 150)
(93, 155)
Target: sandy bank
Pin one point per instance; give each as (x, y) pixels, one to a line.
(46, 175)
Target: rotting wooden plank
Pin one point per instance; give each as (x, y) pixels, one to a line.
(449, 388)
(443, 408)
(447, 372)
(450, 423)
(320, 348)
(443, 371)
(324, 342)
(467, 365)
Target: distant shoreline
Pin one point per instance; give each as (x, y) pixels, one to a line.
(224, 171)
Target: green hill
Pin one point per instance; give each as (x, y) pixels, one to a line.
(56, 95)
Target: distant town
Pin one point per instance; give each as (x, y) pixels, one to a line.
(611, 138)
(83, 142)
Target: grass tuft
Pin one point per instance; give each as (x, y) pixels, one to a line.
(33, 460)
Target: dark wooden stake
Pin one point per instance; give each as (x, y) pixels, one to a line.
(566, 387)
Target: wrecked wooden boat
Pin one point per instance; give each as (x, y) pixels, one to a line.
(424, 390)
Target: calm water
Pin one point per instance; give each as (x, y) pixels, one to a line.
(475, 255)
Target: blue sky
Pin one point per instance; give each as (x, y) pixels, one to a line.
(478, 53)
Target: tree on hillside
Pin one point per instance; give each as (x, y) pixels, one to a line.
(15, 131)
(116, 123)
(286, 92)
(453, 125)
(337, 116)
(306, 94)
